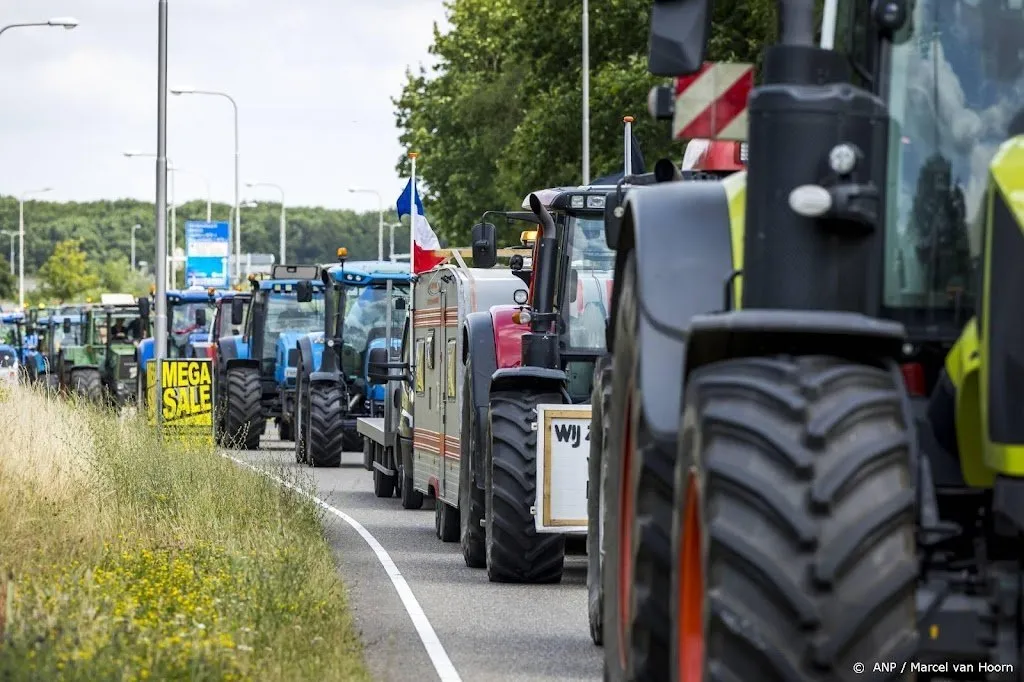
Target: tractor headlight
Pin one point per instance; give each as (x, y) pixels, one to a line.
(133, 372)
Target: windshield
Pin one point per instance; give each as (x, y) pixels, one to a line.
(183, 323)
(7, 358)
(285, 313)
(366, 313)
(956, 84)
(72, 338)
(594, 264)
(124, 328)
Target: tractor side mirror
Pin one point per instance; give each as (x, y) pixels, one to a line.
(143, 304)
(400, 304)
(574, 285)
(237, 311)
(201, 317)
(66, 326)
(612, 219)
(379, 366)
(678, 36)
(304, 291)
(485, 245)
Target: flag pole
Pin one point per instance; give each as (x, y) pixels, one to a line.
(412, 214)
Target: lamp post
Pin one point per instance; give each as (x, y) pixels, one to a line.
(134, 228)
(238, 215)
(586, 92)
(63, 22)
(284, 222)
(21, 242)
(12, 234)
(380, 221)
(392, 227)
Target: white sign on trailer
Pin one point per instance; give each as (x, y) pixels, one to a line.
(563, 446)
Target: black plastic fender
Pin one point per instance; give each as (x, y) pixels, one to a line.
(233, 363)
(305, 347)
(227, 350)
(479, 354)
(536, 378)
(325, 377)
(681, 234)
(746, 333)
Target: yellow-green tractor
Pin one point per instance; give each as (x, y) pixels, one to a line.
(816, 440)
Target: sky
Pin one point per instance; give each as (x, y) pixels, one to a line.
(313, 80)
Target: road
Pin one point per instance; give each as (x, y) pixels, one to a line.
(490, 631)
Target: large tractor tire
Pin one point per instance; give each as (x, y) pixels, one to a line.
(243, 418)
(301, 418)
(472, 535)
(326, 407)
(638, 514)
(793, 496)
(87, 384)
(515, 551)
(600, 399)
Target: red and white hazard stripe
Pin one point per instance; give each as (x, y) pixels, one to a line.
(712, 103)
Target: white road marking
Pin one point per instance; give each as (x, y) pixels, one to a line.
(438, 656)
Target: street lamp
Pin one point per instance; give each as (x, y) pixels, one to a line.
(12, 234)
(134, 228)
(284, 222)
(63, 22)
(380, 221)
(586, 93)
(238, 215)
(21, 242)
(392, 227)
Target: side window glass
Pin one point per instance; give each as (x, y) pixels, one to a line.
(420, 361)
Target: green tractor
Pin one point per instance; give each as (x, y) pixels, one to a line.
(101, 366)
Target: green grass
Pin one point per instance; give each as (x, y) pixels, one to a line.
(125, 558)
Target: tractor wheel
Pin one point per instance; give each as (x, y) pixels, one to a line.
(793, 494)
(446, 521)
(300, 421)
(244, 414)
(472, 535)
(88, 385)
(600, 398)
(515, 551)
(326, 405)
(383, 485)
(638, 514)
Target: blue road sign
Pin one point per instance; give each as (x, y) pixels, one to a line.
(206, 254)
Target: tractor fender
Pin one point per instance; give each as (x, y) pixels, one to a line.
(239, 363)
(305, 346)
(539, 379)
(325, 377)
(683, 241)
(144, 353)
(230, 347)
(479, 353)
(507, 336)
(78, 368)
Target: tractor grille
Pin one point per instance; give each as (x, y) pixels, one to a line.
(293, 357)
(125, 363)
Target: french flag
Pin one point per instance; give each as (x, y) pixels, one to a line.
(425, 246)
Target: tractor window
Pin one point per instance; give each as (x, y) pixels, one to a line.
(285, 313)
(594, 264)
(366, 314)
(956, 84)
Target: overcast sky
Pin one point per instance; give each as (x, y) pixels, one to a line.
(313, 81)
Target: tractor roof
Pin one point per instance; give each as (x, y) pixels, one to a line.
(11, 318)
(362, 273)
(287, 285)
(117, 299)
(193, 295)
(582, 198)
(229, 294)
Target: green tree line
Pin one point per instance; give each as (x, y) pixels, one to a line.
(499, 116)
(102, 231)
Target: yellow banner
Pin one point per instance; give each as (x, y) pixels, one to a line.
(186, 402)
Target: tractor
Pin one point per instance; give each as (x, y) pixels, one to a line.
(61, 329)
(225, 323)
(366, 303)
(188, 315)
(103, 368)
(813, 468)
(255, 370)
(34, 357)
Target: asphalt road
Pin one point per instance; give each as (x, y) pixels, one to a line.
(490, 631)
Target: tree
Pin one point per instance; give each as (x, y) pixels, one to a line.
(67, 274)
(8, 282)
(499, 116)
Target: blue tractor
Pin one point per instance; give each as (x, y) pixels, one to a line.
(255, 370)
(188, 315)
(333, 388)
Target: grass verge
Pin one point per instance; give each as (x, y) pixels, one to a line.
(125, 558)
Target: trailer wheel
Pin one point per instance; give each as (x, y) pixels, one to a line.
(244, 414)
(326, 405)
(600, 399)
(367, 454)
(793, 494)
(638, 514)
(446, 521)
(383, 484)
(88, 385)
(516, 552)
(300, 421)
(472, 536)
(411, 498)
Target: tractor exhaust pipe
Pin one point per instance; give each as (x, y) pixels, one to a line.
(628, 162)
(796, 59)
(796, 22)
(544, 269)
